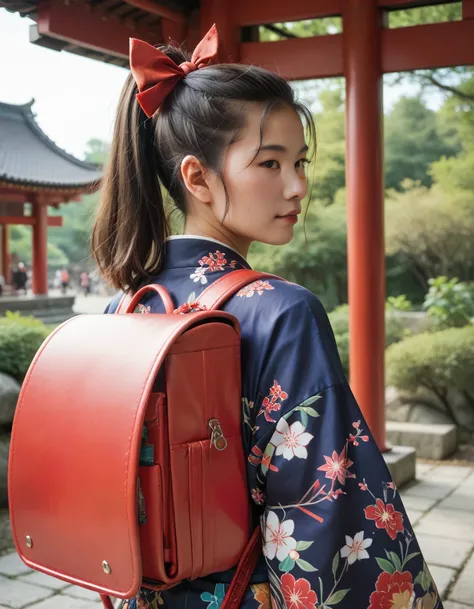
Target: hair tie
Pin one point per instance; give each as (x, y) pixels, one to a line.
(156, 74)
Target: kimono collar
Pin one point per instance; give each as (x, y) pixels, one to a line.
(183, 251)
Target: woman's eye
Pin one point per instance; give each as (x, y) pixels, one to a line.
(270, 164)
(301, 164)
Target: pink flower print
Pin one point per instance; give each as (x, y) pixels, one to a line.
(277, 393)
(356, 425)
(278, 540)
(291, 441)
(363, 486)
(233, 264)
(256, 287)
(356, 549)
(143, 309)
(214, 262)
(257, 496)
(337, 466)
(199, 275)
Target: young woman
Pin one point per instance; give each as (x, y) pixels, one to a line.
(227, 143)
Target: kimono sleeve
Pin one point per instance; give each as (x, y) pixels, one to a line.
(335, 532)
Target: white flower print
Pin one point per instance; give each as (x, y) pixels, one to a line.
(278, 540)
(291, 441)
(199, 275)
(355, 549)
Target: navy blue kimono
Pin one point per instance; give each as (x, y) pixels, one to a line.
(335, 531)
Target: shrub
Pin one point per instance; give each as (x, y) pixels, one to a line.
(449, 302)
(440, 362)
(339, 318)
(20, 338)
(398, 303)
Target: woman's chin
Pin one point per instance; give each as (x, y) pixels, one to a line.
(281, 238)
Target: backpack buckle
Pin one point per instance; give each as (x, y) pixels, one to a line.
(217, 435)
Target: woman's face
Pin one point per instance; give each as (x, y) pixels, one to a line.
(264, 190)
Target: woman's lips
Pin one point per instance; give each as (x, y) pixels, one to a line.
(290, 218)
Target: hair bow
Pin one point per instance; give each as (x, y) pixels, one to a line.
(156, 74)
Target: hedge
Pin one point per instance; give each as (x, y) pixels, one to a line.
(438, 361)
(20, 339)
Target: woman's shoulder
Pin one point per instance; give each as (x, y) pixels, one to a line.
(282, 298)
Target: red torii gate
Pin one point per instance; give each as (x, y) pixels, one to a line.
(362, 54)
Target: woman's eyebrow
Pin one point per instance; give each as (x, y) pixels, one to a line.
(280, 148)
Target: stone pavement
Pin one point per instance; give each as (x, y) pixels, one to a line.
(440, 505)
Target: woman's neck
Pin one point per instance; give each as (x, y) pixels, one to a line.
(221, 234)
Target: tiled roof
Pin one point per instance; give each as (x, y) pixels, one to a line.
(28, 156)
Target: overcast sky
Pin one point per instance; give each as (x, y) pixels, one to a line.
(75, 97)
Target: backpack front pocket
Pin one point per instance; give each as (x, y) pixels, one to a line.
(211, 511)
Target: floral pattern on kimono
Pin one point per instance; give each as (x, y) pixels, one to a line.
(335, 531)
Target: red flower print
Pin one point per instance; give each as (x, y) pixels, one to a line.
(363, 486)
(385, 517)
(215, 262)
(258, 496)
(277, 393)
(337, 466)
(392, 591)
(335, 494)
(189, 307)
(269, 406)
(298, 593)
(270, 403)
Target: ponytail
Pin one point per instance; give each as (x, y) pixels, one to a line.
(131, 224)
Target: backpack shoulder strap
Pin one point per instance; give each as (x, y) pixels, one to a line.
(217, 293)
(223, 288)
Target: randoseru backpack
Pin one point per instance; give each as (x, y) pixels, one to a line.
(126, 463)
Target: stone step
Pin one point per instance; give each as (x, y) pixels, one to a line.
(430, 441)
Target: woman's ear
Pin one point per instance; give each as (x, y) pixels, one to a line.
(194, 177)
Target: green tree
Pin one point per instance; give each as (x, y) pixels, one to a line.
(97, 151)
(21, 244)
(412, 143)
(73, 238)
(457, 119)
(432, 230)
(329, 169)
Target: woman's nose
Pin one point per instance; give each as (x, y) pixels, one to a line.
(296, 186)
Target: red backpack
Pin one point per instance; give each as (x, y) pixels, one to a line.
(128, 418)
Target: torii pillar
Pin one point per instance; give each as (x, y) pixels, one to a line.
(5, 257)
(40, 247)
(365, 208)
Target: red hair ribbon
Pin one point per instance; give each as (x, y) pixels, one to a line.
(156, 74)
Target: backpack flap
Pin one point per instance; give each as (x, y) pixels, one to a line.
(75, 447)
